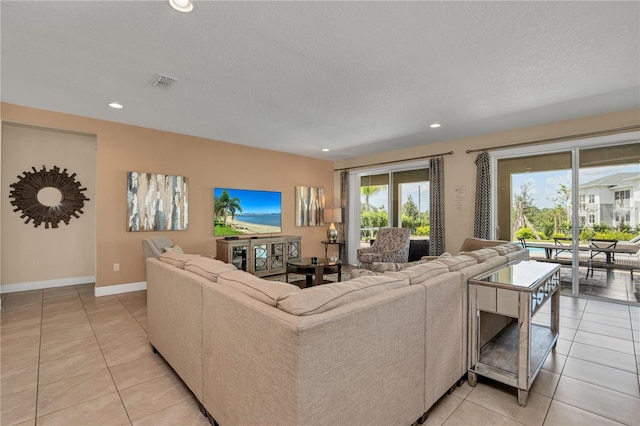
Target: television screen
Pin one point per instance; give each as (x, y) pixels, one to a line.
(246, 211)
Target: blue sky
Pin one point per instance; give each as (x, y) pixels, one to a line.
(543, 189)
(381, 198)
(545, 184)
(254, 201)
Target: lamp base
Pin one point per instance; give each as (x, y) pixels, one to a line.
(332, 234)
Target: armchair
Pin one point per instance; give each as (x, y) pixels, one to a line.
(391, 245)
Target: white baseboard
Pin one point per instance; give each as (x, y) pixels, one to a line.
(62, 282)
(120, 288)
(39, 285)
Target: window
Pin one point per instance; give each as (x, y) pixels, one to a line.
(592, 198)
(592, 219)
(622, 198)
(582, 198)
(396, 198)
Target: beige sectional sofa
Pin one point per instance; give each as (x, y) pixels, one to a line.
(379, 349)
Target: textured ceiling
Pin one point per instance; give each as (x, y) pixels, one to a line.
(355, 77)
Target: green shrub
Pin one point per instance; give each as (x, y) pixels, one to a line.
(525, 233)
(423, 230)
(587, 234)
(614, 235)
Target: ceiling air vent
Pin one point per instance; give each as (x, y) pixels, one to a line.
(163, 81)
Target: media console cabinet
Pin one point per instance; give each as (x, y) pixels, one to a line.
(260, 256)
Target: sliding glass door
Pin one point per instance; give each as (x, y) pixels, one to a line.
(574, 196)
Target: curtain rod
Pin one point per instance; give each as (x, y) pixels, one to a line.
(560, 138)
(395, 161)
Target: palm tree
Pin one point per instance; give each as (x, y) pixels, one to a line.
(367, 192)
(225, 205)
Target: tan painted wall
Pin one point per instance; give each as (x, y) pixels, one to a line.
(37, 254)
(460, 169)
(207, 163)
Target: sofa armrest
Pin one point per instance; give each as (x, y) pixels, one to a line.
(471, 243)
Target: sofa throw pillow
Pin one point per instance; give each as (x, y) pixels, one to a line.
(175, 249)
(177, 259)
(257, 288)
(207, 267)
(325, 297)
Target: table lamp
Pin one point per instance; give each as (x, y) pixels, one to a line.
(333, 216)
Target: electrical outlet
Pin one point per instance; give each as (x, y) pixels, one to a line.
(116, 267)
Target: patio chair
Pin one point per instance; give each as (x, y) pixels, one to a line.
(391, 245)
(598, 255)
(523, 242)
(563, 245)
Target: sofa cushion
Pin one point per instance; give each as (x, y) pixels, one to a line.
(325, 297)
(503, 249)
(482, 254)
(417, 274)
(177, 259)
(458, 262)
(207, 267)
(395, 266)
(258, 288)
(355, 273)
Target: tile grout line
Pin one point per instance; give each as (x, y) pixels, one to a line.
(104, 359)
(582, 381)
(565, 361)
(35, 412)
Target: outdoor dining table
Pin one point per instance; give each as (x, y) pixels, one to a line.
(624, 256)
(549, 248)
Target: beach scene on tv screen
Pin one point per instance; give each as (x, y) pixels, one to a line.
(244, 211)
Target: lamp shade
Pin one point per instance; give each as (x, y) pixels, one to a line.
(333, 215)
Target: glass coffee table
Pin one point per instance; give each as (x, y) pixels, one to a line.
(314, 272)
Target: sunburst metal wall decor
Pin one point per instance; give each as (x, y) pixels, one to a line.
(25, 196)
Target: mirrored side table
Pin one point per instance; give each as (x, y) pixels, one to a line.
(513, 294)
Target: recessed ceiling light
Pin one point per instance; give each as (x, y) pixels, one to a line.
(181, 5)
(325, 150)
(116, 105)
(435, 125)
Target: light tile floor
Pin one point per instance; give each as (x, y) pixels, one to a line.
(614, 285)
(68, 358)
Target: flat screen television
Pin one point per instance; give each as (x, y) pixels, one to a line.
(246, 211)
